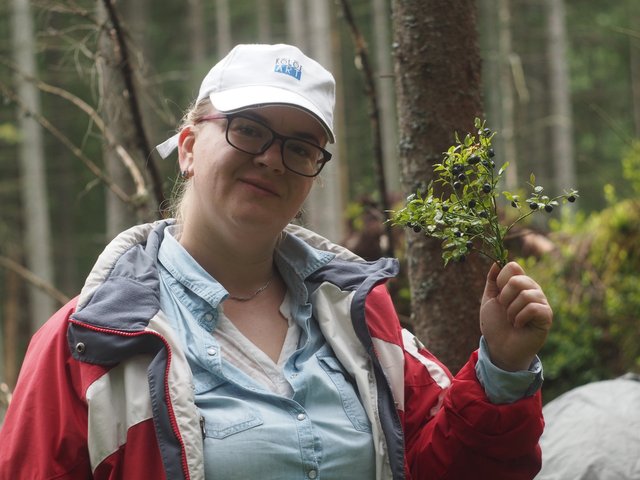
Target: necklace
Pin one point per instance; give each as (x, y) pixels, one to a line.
(254, 294)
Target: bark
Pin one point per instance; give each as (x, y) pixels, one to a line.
(437, 71)
(296, 23)
(32, 164)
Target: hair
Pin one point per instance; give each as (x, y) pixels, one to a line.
(180, 194)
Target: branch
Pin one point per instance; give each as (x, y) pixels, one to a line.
(127, 75)
(34, 280)
(70, 145)
(374, 116)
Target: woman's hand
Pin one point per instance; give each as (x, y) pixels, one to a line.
(515, 317)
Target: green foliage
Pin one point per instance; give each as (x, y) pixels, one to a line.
(464, 215)
(593, 285)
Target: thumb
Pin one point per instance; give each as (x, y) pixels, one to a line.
(491, 289)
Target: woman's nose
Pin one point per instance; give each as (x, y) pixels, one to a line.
(272, 157)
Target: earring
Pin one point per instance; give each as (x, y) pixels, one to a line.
(184, 174)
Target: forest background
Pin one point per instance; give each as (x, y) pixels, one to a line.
(561, 87)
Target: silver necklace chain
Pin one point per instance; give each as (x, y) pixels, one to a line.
(254, 294)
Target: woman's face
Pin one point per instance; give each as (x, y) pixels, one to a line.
(235, 190)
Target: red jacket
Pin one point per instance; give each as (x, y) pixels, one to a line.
(105, 392)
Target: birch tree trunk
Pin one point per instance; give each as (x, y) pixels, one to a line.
(437, 71)
(32, 165)
(560, 97)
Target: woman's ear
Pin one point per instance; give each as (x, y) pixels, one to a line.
(186, 140)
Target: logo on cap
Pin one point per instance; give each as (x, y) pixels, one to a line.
(288, 67)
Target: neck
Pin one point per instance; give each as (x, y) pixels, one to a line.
(241, 267)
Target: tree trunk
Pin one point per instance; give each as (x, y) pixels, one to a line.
(325, 204)
(507, 107)
(296, 23)
(437, 71)
(634, 54)
(197, 35)
(385, 89)
(263, 12)
(560, 96)
(223, 28)
(32, 163)
(117, 117)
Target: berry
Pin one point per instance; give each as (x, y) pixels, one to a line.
(571, 198)
(462, 177)
(486, 132)
(491, 153)
(458, 234)
(533, 206)
(486, 188)
(473, 159)
(483, 214)
(417, 228)
(457, 168)
(445, 207)
(469, 245)
(514, 204)
(457, 185)
(548, 208)
(472, 203)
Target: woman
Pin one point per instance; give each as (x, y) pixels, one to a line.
(231, 344)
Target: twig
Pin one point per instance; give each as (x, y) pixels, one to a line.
(33, 279)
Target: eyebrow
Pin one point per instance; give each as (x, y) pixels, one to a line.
(301, 135)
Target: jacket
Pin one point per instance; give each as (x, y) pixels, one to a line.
(105, 391)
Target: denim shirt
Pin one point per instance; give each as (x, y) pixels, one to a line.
(320, 431)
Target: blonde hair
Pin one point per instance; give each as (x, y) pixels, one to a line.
(180, 193)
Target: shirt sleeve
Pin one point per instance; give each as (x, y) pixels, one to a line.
(506, 387)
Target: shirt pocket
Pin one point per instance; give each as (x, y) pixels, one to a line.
(226, 416)
(353, 408)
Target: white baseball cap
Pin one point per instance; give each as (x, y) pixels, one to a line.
(255, 75)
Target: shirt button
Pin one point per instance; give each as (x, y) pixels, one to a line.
(208, 317)
(212, 351)
(312, 474)
(302, 416)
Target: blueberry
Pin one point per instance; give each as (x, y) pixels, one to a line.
(417, 228)
(486, 188)
(514, 204)
(548, 208)
(473, 159)
(472, 203)
(483, 214)
(571, 198)
(533, 206)
(457, 185)
(462, 177)
(491, 153)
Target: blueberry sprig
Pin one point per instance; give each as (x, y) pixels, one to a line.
(463, 210)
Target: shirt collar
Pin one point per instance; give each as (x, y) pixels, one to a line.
(295, 259)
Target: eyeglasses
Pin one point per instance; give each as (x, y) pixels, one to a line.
(251, 136)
